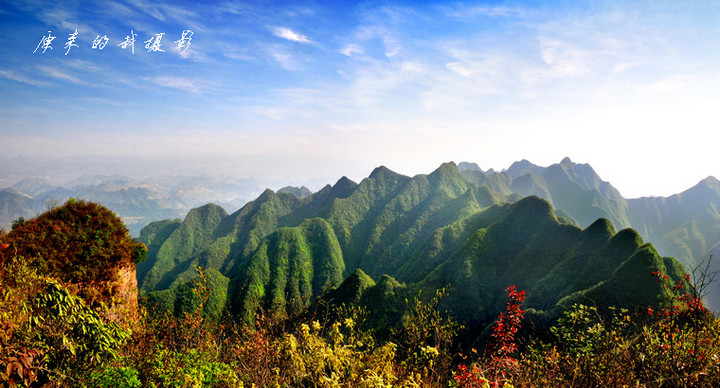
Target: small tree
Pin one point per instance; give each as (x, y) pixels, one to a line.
(500, 363)
(424, 338)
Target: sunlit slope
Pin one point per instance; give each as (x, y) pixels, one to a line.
(279, 252)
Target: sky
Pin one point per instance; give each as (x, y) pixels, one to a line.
(312, 91)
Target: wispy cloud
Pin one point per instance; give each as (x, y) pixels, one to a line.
(57, 74)
(300, 11)
(21, 78)
(185, 17)
(119, 10)
(470, 65)
(180, 83)
(394, 27)
(500, 11)
(63, 18)
(150, 9)
(560, 60)
(82, 65)
(291, 35)
(391, 43)
(285, 59)
(352, 50)
(375, 83)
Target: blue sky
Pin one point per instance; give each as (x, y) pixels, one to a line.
(311, 91)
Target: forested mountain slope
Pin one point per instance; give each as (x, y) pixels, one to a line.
(427, 232)
(685, 226)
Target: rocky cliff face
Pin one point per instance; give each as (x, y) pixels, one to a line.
(123, 307)
(88, 249)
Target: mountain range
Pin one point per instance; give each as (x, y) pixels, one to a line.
(138, 201)
(552, 231)
(685, 225)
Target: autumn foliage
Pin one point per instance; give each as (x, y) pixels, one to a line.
(53, 332)
(83, 244)
(498, 365)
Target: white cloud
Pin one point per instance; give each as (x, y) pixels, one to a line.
(120, 10)
(469, 64)
(289, 34)
(500, 11)
(270, 112)
(560, 60)
(21, 78)
(152, 10)
(82, 65)
(286, 60)
(52, 72)
(179, 83)
(352, 50)
(302, 11)
(392, 46)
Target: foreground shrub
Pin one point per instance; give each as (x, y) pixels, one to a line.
(341, 356)
(48, 334)
(498, 366)
(424, 340)
(676, 346)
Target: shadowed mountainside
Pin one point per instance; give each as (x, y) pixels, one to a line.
(429, 231)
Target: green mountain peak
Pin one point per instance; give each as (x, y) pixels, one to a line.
(265, 196)
(352, 288)
(203, 213)
(523, 167)
(449, 169)
(467, 166)
(382, 172)
(343, 187)
(602, 228)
